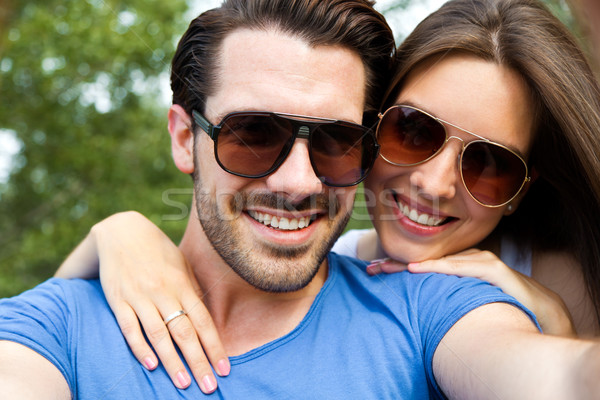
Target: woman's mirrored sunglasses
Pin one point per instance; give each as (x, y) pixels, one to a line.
(255, 144)
(492, 173)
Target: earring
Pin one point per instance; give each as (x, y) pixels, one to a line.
(509, 208)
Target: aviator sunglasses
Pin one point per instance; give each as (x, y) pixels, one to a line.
(255, 144)
(492, 173)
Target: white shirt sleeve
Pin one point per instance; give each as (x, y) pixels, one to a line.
(347, 244)
(514, 257)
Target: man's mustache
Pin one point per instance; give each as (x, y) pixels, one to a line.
(319, 202)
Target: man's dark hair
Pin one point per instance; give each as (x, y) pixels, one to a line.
(352, 24)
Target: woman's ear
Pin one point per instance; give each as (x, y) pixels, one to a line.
(512, 206)
(182, 139)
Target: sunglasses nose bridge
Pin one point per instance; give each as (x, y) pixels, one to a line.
(457, 138)
(462, 144)
(303, 131)
(297, 163)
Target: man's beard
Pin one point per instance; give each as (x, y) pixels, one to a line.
(280, 269)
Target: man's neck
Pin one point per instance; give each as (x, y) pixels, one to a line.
(245, 317)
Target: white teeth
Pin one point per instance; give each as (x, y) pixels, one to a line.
(293, 224)
(413, 215)
(283, 223)
(423, 219)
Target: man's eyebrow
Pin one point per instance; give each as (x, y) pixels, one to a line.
(219, 117)
(216, 120)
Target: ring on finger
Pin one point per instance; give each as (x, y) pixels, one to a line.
(174, 315)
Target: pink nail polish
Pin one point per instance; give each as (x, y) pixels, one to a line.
(149, 363)
(183, 379)
(374, 269)
(209, 384)
(223, 367)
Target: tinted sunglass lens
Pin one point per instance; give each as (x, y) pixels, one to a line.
(408, 136)
(254, 145)
(492, 174)
(251, 145)
(342, 155)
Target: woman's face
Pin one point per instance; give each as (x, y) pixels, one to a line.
(424, 211)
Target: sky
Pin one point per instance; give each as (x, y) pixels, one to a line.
(402, 23)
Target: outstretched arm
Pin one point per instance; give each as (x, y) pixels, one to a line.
(25, 374)
(145, 277)
(495, 352)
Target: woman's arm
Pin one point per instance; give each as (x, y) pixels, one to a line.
(82, 262)
(146, 279)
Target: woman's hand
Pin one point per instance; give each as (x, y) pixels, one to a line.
(550, 310)
(145, 277)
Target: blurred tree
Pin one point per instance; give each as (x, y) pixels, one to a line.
(79, 82)
(562, 10)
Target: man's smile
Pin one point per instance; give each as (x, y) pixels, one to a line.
(282, 223)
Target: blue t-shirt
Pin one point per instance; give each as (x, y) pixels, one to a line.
(363, 338)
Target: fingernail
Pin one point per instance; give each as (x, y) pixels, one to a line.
(413, 265)
(373, 269)
(223, 367)
(183, 379)
(209, 384)
(150, 363)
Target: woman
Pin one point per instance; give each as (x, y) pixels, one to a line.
(498, 85)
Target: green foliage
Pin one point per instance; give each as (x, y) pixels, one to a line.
(561, 9)
(360, 216)
(79, 84)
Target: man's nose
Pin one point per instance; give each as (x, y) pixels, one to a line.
(296, 178)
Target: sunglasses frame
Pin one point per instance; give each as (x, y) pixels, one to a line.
(480, 139)
(303, 126)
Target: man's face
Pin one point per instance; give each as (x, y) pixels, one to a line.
(271, 71)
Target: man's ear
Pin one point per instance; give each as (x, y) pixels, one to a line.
(182, 139)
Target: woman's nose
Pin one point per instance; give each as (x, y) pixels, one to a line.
(438, 177)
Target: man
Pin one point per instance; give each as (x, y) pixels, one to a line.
(245, 78)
